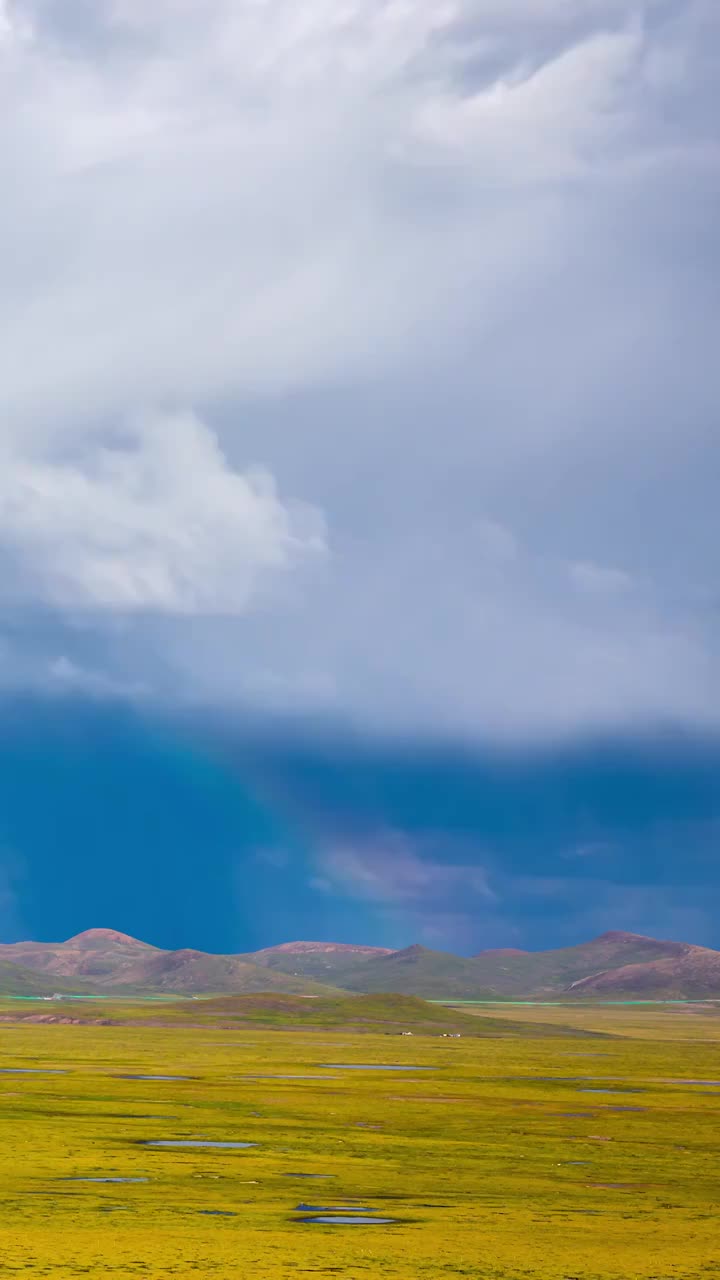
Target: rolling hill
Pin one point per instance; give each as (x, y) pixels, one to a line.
(614, 965)
(385, 1014)
(105, 959)
(16, 980)
(415, 971)
(97, 955)
(193, 972)
(693, 974)
(319, 960)
(546, 973)
(503, 973)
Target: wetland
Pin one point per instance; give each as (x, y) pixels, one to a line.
(503, 1185)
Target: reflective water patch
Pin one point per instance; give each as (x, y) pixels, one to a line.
(339, 1220)
(126, 1077)
(32, 1071)
(83, 1179)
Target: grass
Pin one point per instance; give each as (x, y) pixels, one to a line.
(474, 1158)
(375, 1012)
(19, 981)
(690, 1022)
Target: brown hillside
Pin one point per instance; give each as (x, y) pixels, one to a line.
(343, 949)
(693, 973)
(106, 959)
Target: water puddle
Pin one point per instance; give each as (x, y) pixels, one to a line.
(290, 1077)
(148, 1116)
(715, 1083)
(32, 1071)
(339, 1220)
(196, 1143)
(125, 1077)
(626, 1090)
(217, 1213)
(547, 1079)
(124, 1180)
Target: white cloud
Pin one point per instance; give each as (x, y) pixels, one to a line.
(447, 270)
(541, 123)
(201, 201)
(159, 522)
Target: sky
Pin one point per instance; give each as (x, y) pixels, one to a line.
(358, 458)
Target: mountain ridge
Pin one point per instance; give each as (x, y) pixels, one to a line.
(615, 962)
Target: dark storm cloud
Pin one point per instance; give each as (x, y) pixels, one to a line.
(196, 832)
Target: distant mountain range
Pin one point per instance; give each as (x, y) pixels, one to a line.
(615, 965)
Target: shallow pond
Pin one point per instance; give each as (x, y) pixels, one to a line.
(714, 1083)
(32, 1071)
(125, 1077)
(124, 1180)
(339, 1220)
(626, 1090)
(289, 1077)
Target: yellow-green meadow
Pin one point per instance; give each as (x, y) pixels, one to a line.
(516, 1159)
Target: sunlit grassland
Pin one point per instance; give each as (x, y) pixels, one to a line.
(689, 1022)
(474, 1158)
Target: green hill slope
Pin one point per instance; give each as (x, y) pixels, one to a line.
(18, 981)
(384, 1014)
(416, 971)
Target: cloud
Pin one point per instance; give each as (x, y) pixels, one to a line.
(199, 205)
(447, 273)
(159, 522)
(596, 579)
(389, 870)
(412, 888)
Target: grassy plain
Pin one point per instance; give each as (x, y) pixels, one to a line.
(699, 1022)
(492, 1170)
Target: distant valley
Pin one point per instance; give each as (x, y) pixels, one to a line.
(616, 965)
